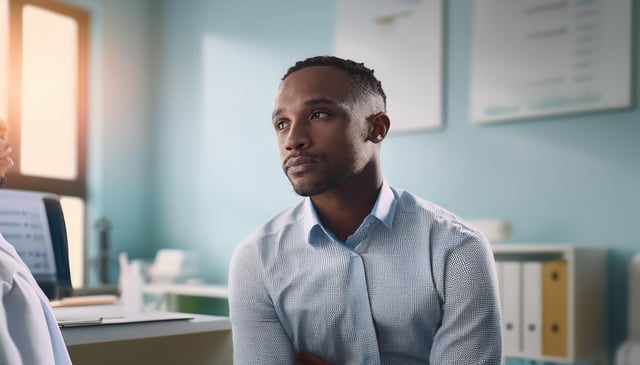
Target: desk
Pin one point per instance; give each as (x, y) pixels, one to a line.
(169, 293)
(202, 340)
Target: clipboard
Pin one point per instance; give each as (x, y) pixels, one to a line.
(101, 315)
(65, 323)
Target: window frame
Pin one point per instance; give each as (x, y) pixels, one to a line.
(78, 186)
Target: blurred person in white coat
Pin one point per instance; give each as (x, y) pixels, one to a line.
(29, 333)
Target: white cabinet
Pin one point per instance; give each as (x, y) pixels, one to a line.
(554, 301)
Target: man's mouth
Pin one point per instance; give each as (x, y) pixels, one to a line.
(299, 164)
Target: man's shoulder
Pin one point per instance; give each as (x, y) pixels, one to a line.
(411, 203)
(436, 216)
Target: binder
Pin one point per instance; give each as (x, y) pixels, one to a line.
(554, 308)
(499, 276)
(512, 301)
(532, 308)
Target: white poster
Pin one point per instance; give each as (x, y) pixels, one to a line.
(402, 41)
(545, 57)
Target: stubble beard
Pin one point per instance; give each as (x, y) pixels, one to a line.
(315, 187)
(306, 189)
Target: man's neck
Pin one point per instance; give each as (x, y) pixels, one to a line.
(343, 210)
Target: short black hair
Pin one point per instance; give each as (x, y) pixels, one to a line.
(363, 76)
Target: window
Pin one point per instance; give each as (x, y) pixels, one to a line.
(43, 95)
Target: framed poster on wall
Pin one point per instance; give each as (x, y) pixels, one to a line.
(402, 41)
(540, 58)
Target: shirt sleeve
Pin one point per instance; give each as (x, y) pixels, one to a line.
(24, 336)
(470, 332)
(258, 335)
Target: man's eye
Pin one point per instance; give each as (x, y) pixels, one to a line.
(280, 125)
(316, 115)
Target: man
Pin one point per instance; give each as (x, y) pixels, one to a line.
(358, 272)
(29, 333)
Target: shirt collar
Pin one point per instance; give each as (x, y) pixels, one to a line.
(383, 210)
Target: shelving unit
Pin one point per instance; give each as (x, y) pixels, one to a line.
(554, 301)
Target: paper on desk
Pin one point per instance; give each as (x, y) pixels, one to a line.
(147, 317)
(86, 315)
(92, 315)
(79, 322)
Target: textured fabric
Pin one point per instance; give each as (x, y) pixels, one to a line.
(29, 333)
(413, 285)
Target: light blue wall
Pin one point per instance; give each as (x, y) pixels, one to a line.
(218, 175)
(120, 143)
(213, 171)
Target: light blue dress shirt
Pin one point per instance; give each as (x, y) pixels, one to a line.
(413, 285)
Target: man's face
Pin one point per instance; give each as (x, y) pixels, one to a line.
(5, 150)
(322, 130)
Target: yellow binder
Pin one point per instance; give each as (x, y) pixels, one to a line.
(554, 308)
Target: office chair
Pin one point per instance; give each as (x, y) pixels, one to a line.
(33, 222)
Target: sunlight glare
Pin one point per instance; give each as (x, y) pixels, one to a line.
(49, 94)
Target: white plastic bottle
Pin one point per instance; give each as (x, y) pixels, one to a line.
(131, 285)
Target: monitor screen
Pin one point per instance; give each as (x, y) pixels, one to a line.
(33, 223)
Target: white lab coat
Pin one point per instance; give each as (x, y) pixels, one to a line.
(29, 333)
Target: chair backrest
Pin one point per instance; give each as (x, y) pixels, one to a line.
(33, 222)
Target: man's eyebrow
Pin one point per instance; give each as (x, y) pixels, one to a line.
(309, 102)
(319, 101)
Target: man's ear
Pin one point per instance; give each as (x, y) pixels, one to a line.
(379, 124)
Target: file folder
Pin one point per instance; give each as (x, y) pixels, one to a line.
(554, 308)
(512, 301)
(532, 308)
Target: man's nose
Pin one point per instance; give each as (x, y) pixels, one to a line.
(297, 137)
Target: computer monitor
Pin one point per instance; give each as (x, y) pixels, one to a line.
(33, 223)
